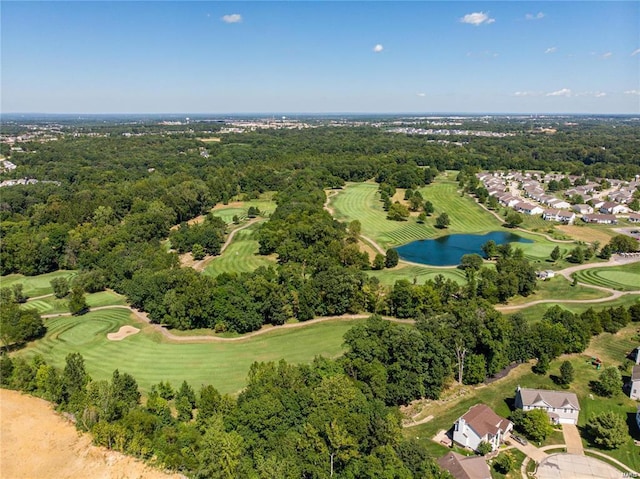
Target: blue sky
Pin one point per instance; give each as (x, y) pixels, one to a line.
(320, 57)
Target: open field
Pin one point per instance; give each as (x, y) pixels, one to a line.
(499, 395)
(51, 305)
(240, 256)
(150, 358)
(623, 278)
(35, 285)
(588, 233)
(265, 204)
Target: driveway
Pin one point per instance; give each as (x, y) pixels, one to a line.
(572, 439)
(571, 466)
(529, 450)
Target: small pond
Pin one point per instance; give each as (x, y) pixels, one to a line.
(447, 250)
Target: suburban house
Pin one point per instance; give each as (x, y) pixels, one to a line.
(635, 355)
(528, 208)
(600, 219)
(561, 407)
(634, 218)
(480, 424)
(465, 467)
(634, 385)
(562, 216)
(612, 208)
(548, 274)
(583, 209)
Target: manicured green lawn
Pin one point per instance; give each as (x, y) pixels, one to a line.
(534, 313)
(413, 272)
(35, 285)
(241, 256)
(623, 278)
(559, 288)
(51, 305)
(265, 204)
(150, 358)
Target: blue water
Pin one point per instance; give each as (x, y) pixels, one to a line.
(447, 250)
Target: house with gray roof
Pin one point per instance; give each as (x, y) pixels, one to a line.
(634, 385)
(561, 407)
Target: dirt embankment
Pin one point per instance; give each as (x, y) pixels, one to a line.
(37, 443)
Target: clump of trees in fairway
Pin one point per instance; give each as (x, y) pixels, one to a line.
(18, 325)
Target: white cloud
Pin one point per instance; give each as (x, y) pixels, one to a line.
(421, 94)
(635, 52)
(606, 55)
(562, 92)
(378, 48)
(632, 92)
(477, 18)
(537, 16)
(551, 50)
(232, 18)
(525, 93)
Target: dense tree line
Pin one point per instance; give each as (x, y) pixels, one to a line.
(309, 421)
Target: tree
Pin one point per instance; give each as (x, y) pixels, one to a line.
(18, 325)
(60, 287)
(471, 262)
(397, 212)
(220, 451)
(484, 448)
(609, 383)
(378, 262)
(623, 244)
(514, 219)
(392, 258)
(490, 249)
(428, 208)
(535, 425)
(18, 293)
(77, 303)
(608, 430)
(566, 373)
(443, 221)
(555, 254)
(542, 366)
(504, 463)
(197, 251)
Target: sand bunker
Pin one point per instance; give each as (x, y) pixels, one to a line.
(122, 333)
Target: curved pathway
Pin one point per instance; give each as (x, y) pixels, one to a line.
(615, 260)
(142, 316)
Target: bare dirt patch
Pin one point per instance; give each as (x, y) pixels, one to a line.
(123, 332)
(586, 234)
(35, 442)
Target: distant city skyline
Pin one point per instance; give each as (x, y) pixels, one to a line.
(320, 57)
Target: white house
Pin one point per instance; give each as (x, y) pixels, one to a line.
(634, 385)
(528, 208)
(480, 424)
(634, 218)
(583, 209)
(561, 407)
(600, 219)
(612, 208)
(562, 216)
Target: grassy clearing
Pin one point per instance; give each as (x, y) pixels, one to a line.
(240, 256)
(416, 273)
(150, 358)
(623, 278)
(35, 285)
(534, 313)
(515, 474)
(51, 305)
(265, 204)
(559, 288)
